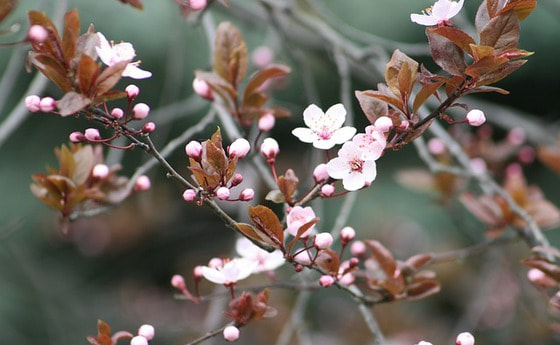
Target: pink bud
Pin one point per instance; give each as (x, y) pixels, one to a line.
(203, 89)
(475, 117)
(298, 268)
(47, 104)
(76, 137)
(140, 111)
(92, 134)
(323, 240)
(33, 103)
(326, 281)
(236, 179)
(358, 248)
(117, 113)
(100, 171)
(147, 331)
(327, 190)
(197, 5)
(247, 194)
(138, 340)
(197, 272)
(37, 34)
(239, 148)
(436, 146)
(215, 263)
(403, 126)
(194, 150)
(189, 195)
(526, 155)
(231, 333)
(142, 184)
(223, 193)
(178, 282)
(539, 278)
(262, 56)
(347, 234)
(516, 136)
(270, 149)
(149, 127)
(320, 173)
(422, 342)
(266, 122)
(478, 166)
(347, 279)
(465, 338)
(132, 91)
(384, 124)
(303, 258)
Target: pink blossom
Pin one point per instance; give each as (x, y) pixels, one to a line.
(247, 194)
(223, 193)
(475, 118)
(33, 103)
(465, 338)
(303, 258)
(538, 277)
(351, 167)
(202, 89)
(112, 54)
(189, 195)
(424, 343)
(347, 234)
(326, 281)
(266, 122)
(440, 13)
(231, 272)
(117, 113)
(76, 137)
(327, 190)
(265, 261)
(384, 124)
(371, 143)
(323, 240)
(132, 91)
(262, 56)
(147, 331)
(140, 111)
(142, 184)
(299, 216)
(138, 340)
(47, 104)
(516, 136)
(358, 248)
(194, 150)
(37, 34)
(100, 171)
(239, 148)
(149, 127)
(436, 146)
(197, 272)
(231, 333)
(197, 5)
(270, 149)
(478, 165)
(92, 134)
(320, 173)
(324, 129)
(178, 282)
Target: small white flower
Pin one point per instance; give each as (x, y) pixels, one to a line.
(230, 273)
(112, 54)
(324, 128)
(372, 143)
(440, 12)
(265, 261)
(351, 167)
(299, 216)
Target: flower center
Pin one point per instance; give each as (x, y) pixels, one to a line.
(357, 165)
(324, 133)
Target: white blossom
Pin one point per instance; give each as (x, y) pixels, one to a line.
(265, 261)
(112, 54)
(440, 12)
(230, 272)
(351, 166)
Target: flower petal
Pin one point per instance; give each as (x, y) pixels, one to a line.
(134, 72)
(456, 8)
(104, 50)
(338, 168)
(324, 144)
(369, 170)
(441, 9)
(342, 135)
(305, 134)
(353, 181)
(335, 116)
(213, 275)
(313, 116)
(423, 19)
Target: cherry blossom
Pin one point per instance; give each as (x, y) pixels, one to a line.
(299, 216)
(324, 129)
(112, 54)
(265, 261)
(230, 272)
(351, 166)
(440, 13)
(371, 143)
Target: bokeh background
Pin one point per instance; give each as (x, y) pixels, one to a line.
(117, 266)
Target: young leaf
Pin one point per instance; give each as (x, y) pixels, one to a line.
(494, 6)
(398, 61)
(255, 234)
(486, 65)
(425, 92)
(87, 71)
(262, 76)
(52, 69)
(522, 8)
(383, 257)
(52, 43)
(328, 261)
(71, 103)
(230, 54)
(458, 37)
(395, 102)
(446, 54)
(267, 221)
(6, 7)
(288, 184)
(500, 73)
(423, 289)
(71, 33)
(372, 107)
(482, 17)
(109, 77)
(501, 32)
(302, 229)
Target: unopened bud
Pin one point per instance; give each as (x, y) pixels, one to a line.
(303, 258)
(323, 240)
(194, 150)
(358, 248)
(189, 195)
(262, 56)
(132, 91)
(239, 148)
(326, 281)
(247, 194)
(384, 124)
(197, 272)
(138, 340)
(347, 234)
(327, 190)
(270, 149)
(47, 104)
(197, 5)
(76, 137)
(140, 111)
(475, 117)
(403, 126)
(147, 331)
(33, 103)
(320, 173)
(223, 193)
(37, 34)
(92, 134)
(149, 127)
(100, 171)
(231, 333)
(298, 268)
(142, 184)
(436, 146)
(236, 179)
(478, 166)
(266, 122)
(203, 89)
(465, 338)
(117, 113)
(526, 155)
(516, 136)
(178, 282)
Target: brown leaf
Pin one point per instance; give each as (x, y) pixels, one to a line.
(109, 77)
(267, 221)
(446, 54)
(482, 17)
(134, 3)
(288, 184)
(328, 261)
(230, 54)
(71, 33)
(52, 43)
(494, 6)
(71, 103)
(302, 229)
(218, 84)
(108, 96)
(550, 156)
(372, 107)
(383, 256)
(6, 7)
(103, 328)
(458, 37)
(84, 162)
(501, 32)
(422, 289)
(255, 234)
(522, 8)
(500, 73)
(261, 77)
(425, 92)
(398, 61)
(486, 65)
(88, 71)
(52, 69)
(395, 102)
(418, 261)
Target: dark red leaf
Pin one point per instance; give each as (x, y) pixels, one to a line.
(372, 107)
(71, 103)
(502, 32)
(230, 54)
(383, 256)
(71, 33)
(446, 54)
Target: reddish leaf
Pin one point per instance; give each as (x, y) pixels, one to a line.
(458, 37)
(418, 261)
(71, 103)
(482, 17)
(6, 7)
(486, 65)
(52, 43)
(502, 32)
(109, 77)
(218, 84)
(255, 234)
(288, 184)
(134, 3)
(479, 51)
(400, 61)
(522, 8)
(550, 156)
(103, 328)
(302, 229)
(422, 289)
(547, 267)
(328, 261)
(397, 103)
(71, 33)
(108, 96)
(266, 221)
(52, 69)
(87, 73)
(487, 89)
(494, 6)
(446, 54)
(230, 54)
(425, 92)
(500, 73)
(372, 107)
(383, 256)
(262, 76)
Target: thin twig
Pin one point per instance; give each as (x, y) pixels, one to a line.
(209, 335)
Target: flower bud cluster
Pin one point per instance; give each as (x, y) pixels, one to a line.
(35, 104)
